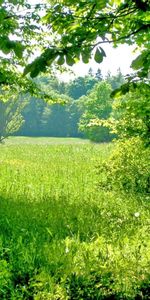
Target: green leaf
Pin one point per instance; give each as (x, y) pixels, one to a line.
(61, 60)
(124, 89)
(98, 56)
(85, 58)
(102, 51)
(69, 60)
(18, 49)
(35, 72)
(138, 62)
(101, 4)
(86, 55)
(141, 61)
(28, 69)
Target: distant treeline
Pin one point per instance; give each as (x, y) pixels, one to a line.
(62, 120)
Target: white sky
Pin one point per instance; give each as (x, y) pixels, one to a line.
(120, 57)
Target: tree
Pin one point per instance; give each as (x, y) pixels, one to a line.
(77, 30)
(130, 114)
(91, 72)
(128, 165)
(98, 75)
(81, 28)
(50, 119)
(10, 114)
(97, 105)
(32, 114)
(116, 81)
(20, 34)
(80, 86)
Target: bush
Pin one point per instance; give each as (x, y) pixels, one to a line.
(98, 134)
(128, 167)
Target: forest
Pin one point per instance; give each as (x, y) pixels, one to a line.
(74, 155)
(67, 118)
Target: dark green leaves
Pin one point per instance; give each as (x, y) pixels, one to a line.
(69, 59)
(124, 89)
(99, 55)
(18, 49)
(7, 45)
(41, 62)
(86, 54)
(85, 58)
(61, 60)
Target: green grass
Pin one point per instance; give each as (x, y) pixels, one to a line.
(44, 140)
(61, 237)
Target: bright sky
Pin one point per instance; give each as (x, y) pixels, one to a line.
(120, 57)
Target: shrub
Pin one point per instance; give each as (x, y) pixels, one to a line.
(127, 168)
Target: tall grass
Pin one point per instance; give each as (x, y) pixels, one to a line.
(61, 237)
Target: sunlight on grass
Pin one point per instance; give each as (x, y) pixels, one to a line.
(61, 237)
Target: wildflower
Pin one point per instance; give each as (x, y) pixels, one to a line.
(137, 214)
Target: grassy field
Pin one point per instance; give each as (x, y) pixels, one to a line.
(61, 236)
(45, 140)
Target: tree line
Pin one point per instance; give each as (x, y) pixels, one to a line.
(81, 100)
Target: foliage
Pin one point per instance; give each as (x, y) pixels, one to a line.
(80, 86)
(127, 168)
(65, 31)
(96, 105)
(80, 28)
(14, 38)
(62, 238)
(20, 35)
(42, 119)
(10, 113)
(116, 81)
(130, 116)
(49, 119)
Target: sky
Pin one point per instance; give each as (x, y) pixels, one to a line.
(120, 57)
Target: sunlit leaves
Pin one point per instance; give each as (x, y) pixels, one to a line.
(142, 63)
(7, 45)
(41, 62)
(131, 112)
(67, 31)
(97, 105)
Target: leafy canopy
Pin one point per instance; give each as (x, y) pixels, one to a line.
(65, 31)
(79, 30)
(20, 33)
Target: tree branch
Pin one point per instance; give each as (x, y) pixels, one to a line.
(122, 37)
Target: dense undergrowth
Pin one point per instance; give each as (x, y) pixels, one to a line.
(127, 168)
(61, 236)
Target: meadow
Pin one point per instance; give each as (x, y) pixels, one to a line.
(62, 237)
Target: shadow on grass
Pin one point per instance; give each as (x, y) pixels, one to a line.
(33, 239)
